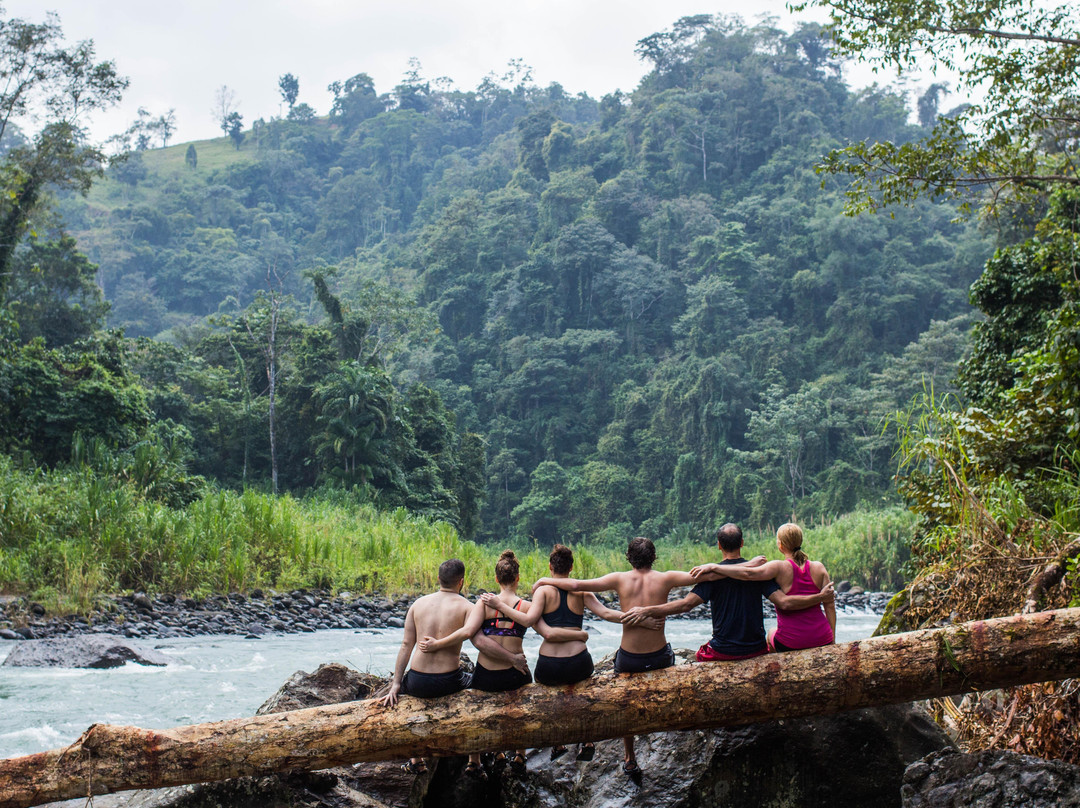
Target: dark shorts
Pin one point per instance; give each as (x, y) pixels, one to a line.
(563, 670)
(498, 681)
(780, 647)
(433, 685)
(625, 662)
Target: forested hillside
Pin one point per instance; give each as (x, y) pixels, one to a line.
(539, 314)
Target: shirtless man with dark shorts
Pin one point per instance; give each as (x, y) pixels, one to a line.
(439, 673)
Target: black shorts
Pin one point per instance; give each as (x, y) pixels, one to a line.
(625, 662)
(780, 647)
(563, 670)
(433, 685)
(497, 681)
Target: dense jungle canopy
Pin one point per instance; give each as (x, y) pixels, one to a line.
(529, 312)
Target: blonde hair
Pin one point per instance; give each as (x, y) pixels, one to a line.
(791, 539)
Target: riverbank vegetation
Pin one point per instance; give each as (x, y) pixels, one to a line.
(78, 532)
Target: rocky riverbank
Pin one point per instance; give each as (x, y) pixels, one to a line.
(257, 613)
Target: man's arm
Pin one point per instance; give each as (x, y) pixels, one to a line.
(601, 584)
(634, 616)
(795, 603)
(403, 657)
(742, 572)
(489, 646)
(597, 607)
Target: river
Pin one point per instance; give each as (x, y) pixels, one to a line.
(217, 677)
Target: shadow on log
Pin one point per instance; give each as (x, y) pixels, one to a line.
(823, 681)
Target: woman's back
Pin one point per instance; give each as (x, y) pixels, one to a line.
(504, 631)
(562, 609)
(806, 628)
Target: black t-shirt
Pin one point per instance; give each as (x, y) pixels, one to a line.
(737, 623)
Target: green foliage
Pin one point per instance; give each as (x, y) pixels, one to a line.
(62, 84)
(77, 532)
(615, 311)
(1018, 61)
(53, 293)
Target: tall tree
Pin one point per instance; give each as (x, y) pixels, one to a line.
(223, 108)
(289, 87)
(39, 74)
(1016, 59)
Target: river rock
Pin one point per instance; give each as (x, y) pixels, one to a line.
(990, 779)
(329, 684)
(855, 758)
(87, 651)
(8, 634)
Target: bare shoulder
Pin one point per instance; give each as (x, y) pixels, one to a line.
(817, 568)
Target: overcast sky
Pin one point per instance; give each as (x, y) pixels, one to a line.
(178, 54)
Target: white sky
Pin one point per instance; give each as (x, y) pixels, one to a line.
(178, 54)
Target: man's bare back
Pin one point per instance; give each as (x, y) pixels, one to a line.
(437, 615)
(635, 587)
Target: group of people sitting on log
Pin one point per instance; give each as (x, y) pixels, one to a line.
(437, 624)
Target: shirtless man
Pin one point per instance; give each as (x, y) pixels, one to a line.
(734, 598)
(439, 673)
(641, 649)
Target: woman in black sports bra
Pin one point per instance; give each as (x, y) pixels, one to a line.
(561, 661)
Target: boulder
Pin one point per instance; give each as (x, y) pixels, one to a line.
(329, 684)
(990, 779)
(87, 651)
(855, 758)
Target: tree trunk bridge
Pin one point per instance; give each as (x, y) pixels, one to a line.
(883, 670)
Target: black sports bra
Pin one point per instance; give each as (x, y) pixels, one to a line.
(563, 616)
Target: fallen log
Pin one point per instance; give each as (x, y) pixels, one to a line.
(882, 670)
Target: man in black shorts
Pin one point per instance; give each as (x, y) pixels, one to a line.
(438, 673)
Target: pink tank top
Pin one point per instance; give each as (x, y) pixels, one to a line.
(806, 628)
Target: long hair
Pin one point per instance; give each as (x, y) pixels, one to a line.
(791, 539)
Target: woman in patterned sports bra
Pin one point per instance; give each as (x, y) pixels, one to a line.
(561, 661)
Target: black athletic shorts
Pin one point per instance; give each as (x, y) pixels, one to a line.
(625, 662)
(563, 670)
(498, 681)
(433, 685)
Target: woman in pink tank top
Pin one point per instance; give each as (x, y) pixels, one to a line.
(807, 628)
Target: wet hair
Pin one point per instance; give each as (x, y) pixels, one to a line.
(506, 568)
(451, 571)
(791, 539)
(641, 553)
(561, 559)
(730, 537)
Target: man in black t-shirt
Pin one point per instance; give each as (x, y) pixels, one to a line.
(738, 623)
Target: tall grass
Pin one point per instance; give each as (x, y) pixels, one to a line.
(69, 536)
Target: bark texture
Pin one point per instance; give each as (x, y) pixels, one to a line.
(823, 681)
